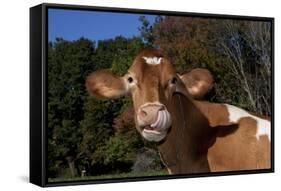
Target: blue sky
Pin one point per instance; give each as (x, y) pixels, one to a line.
(73, 24)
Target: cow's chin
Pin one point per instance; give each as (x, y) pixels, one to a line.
(153, 135)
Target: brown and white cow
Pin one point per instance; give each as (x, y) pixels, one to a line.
(193, 136)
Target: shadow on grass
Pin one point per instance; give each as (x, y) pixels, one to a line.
(111, 176)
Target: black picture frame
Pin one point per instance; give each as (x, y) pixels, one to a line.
(39, 84)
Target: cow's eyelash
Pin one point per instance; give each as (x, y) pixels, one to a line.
(174, 80)
(130, 79)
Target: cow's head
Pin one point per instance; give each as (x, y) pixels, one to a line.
(151, 81)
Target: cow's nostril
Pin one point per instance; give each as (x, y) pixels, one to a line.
(162, 107)
(148, 114)
(143, 113)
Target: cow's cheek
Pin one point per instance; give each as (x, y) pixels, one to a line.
(137, 126)
(136, 107)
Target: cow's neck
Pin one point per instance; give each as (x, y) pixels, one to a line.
(186, 145)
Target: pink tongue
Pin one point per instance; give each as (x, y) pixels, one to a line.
(163, 120)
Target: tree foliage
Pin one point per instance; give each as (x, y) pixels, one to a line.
(236, 52)
(68, 64)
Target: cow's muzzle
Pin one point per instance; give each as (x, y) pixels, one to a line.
(154, 121)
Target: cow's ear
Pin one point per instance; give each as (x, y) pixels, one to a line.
(103, 84)
(197, 82)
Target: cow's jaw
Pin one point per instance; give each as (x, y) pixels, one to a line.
(157, 131)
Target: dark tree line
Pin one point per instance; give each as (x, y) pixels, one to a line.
(98, 136)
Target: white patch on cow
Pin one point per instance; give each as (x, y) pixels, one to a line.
(152, 60)
(263, 125)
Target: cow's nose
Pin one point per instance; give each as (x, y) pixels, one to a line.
(148, 113)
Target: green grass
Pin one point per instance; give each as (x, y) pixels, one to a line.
(110, 176)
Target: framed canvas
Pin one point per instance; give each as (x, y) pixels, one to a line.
(131, 95)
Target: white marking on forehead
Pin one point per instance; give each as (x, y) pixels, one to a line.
(263, 125)
(152, 60)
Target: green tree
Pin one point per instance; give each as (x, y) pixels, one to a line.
(68, 65)
(97, 129)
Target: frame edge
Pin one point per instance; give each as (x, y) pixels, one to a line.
(36, 172)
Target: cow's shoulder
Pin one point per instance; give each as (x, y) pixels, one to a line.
(227, 115)
(216, 113)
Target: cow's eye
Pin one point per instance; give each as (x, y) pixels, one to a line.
(130, 79)
(174, 80)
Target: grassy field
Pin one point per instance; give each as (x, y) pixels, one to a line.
(111, 176)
